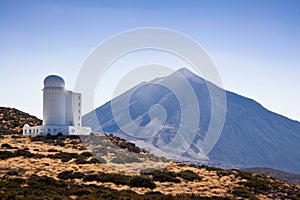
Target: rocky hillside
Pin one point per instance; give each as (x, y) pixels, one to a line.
(288, 177)
(105, 167)
(13, 120)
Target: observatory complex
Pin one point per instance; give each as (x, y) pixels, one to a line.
(61, 111)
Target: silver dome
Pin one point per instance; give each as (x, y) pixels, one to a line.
(54, 81)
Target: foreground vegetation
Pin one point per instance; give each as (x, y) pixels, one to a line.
(44, 187)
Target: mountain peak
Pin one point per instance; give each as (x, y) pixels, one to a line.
(247, 124)
(190, 75)
(185, 71)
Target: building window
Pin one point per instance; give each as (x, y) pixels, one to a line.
(79, 104)
(25, 131)
(48, 129)
(29, 130)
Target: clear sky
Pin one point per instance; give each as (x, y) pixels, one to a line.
(254, 44)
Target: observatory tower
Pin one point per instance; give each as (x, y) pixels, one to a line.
(61, 111)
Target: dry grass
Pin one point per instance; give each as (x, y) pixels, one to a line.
(210, 185)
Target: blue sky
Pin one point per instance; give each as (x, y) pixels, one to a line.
(254, 44)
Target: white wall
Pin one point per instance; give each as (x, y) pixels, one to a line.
(54, 130)
(77, 109)
(54, 106)
(69, 119)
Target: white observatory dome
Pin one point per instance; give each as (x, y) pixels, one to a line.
(54, 81)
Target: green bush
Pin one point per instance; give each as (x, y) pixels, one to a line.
(243, 192)
(98, 160)
(64, 156)
(65, 175)
(259, 186)
(139, 181)
(53, 150)
(70, 175)
(86, 154)
(6, 146)
(12, 173)
(90, 177)
(118, 179)
(25, 153)
(6, 154)
(81, 161)
(189, 175)
(244, 175)
(164, 176)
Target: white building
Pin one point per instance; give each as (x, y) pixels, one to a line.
(61, 111)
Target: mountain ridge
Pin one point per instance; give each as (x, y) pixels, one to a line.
(251, 135)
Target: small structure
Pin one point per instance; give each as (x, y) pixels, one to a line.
(61, 111)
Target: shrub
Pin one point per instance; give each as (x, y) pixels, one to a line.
(81, 161)
(89, 178)
(65, 157)
(164, 176)
(6, 154)
(189, 175)
(98, 160)
(244, 175)
(208, 168)
(86, 154)
(60, 143)
(70, 175)
(6, 146)
(19, 181)
(25, 153)
(243, 192)
(118, 179)
(259, 185)
(223, 173)
(12, 173)
(139, 181)
(65, 175)
(52, 150)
